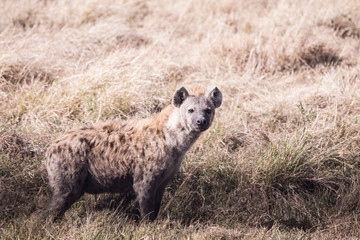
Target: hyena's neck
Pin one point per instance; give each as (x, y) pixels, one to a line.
(177, 134)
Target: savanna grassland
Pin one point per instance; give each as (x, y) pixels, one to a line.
(281, 161)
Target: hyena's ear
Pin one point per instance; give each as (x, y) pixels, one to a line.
(179, 97)
(216, 97)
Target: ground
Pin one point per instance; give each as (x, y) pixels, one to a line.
(282, 159)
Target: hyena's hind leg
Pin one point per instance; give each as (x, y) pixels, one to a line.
(62, 198)
(67, 187)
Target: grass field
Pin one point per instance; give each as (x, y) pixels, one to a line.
(282, 159)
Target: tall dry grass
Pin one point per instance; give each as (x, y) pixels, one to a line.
(281, 160)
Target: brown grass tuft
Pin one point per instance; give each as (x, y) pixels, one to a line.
(319, 55)
(17, 75)
(14, 145)
(344, 26)
(25, 21)
(131, 40)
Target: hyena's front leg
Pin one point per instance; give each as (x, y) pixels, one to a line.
(149, 196)
(146, 192)
(159, 193)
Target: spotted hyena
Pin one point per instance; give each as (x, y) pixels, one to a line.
(120, 156)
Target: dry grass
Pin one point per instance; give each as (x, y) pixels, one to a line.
(282, 159)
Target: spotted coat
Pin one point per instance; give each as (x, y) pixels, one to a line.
(120, 156)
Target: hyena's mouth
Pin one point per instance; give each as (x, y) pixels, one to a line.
(201, 128)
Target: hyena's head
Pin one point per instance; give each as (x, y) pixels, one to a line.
(197, 111)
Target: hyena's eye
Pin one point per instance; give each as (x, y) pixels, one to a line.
(191, 110)
(208, 111)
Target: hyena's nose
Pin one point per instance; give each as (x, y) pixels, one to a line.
(201, 122)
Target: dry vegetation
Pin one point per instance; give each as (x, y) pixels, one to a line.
(282, 159)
